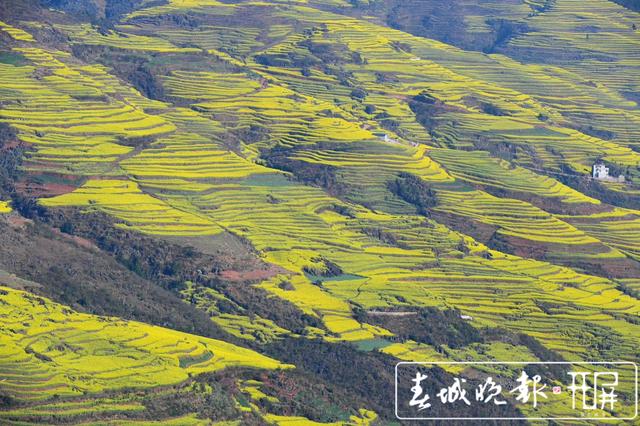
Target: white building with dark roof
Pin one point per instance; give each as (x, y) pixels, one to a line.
(600, 171)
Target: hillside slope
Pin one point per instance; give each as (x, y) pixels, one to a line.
(272, 173)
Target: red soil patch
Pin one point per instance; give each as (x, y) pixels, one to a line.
(10, 145)
(82, 242)
(16, 221)
(400, 97)
(252, 275)
(45, 189)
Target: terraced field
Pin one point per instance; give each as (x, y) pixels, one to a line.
(124, 200)
(16, 33)
(70, 116)
(618, 228)
(58, 347)
(364, 168)
(66, 354)
(479, 168)
(523, 220)
(5, 207)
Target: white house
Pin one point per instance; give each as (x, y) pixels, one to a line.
(385, 137)
(600, 171)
